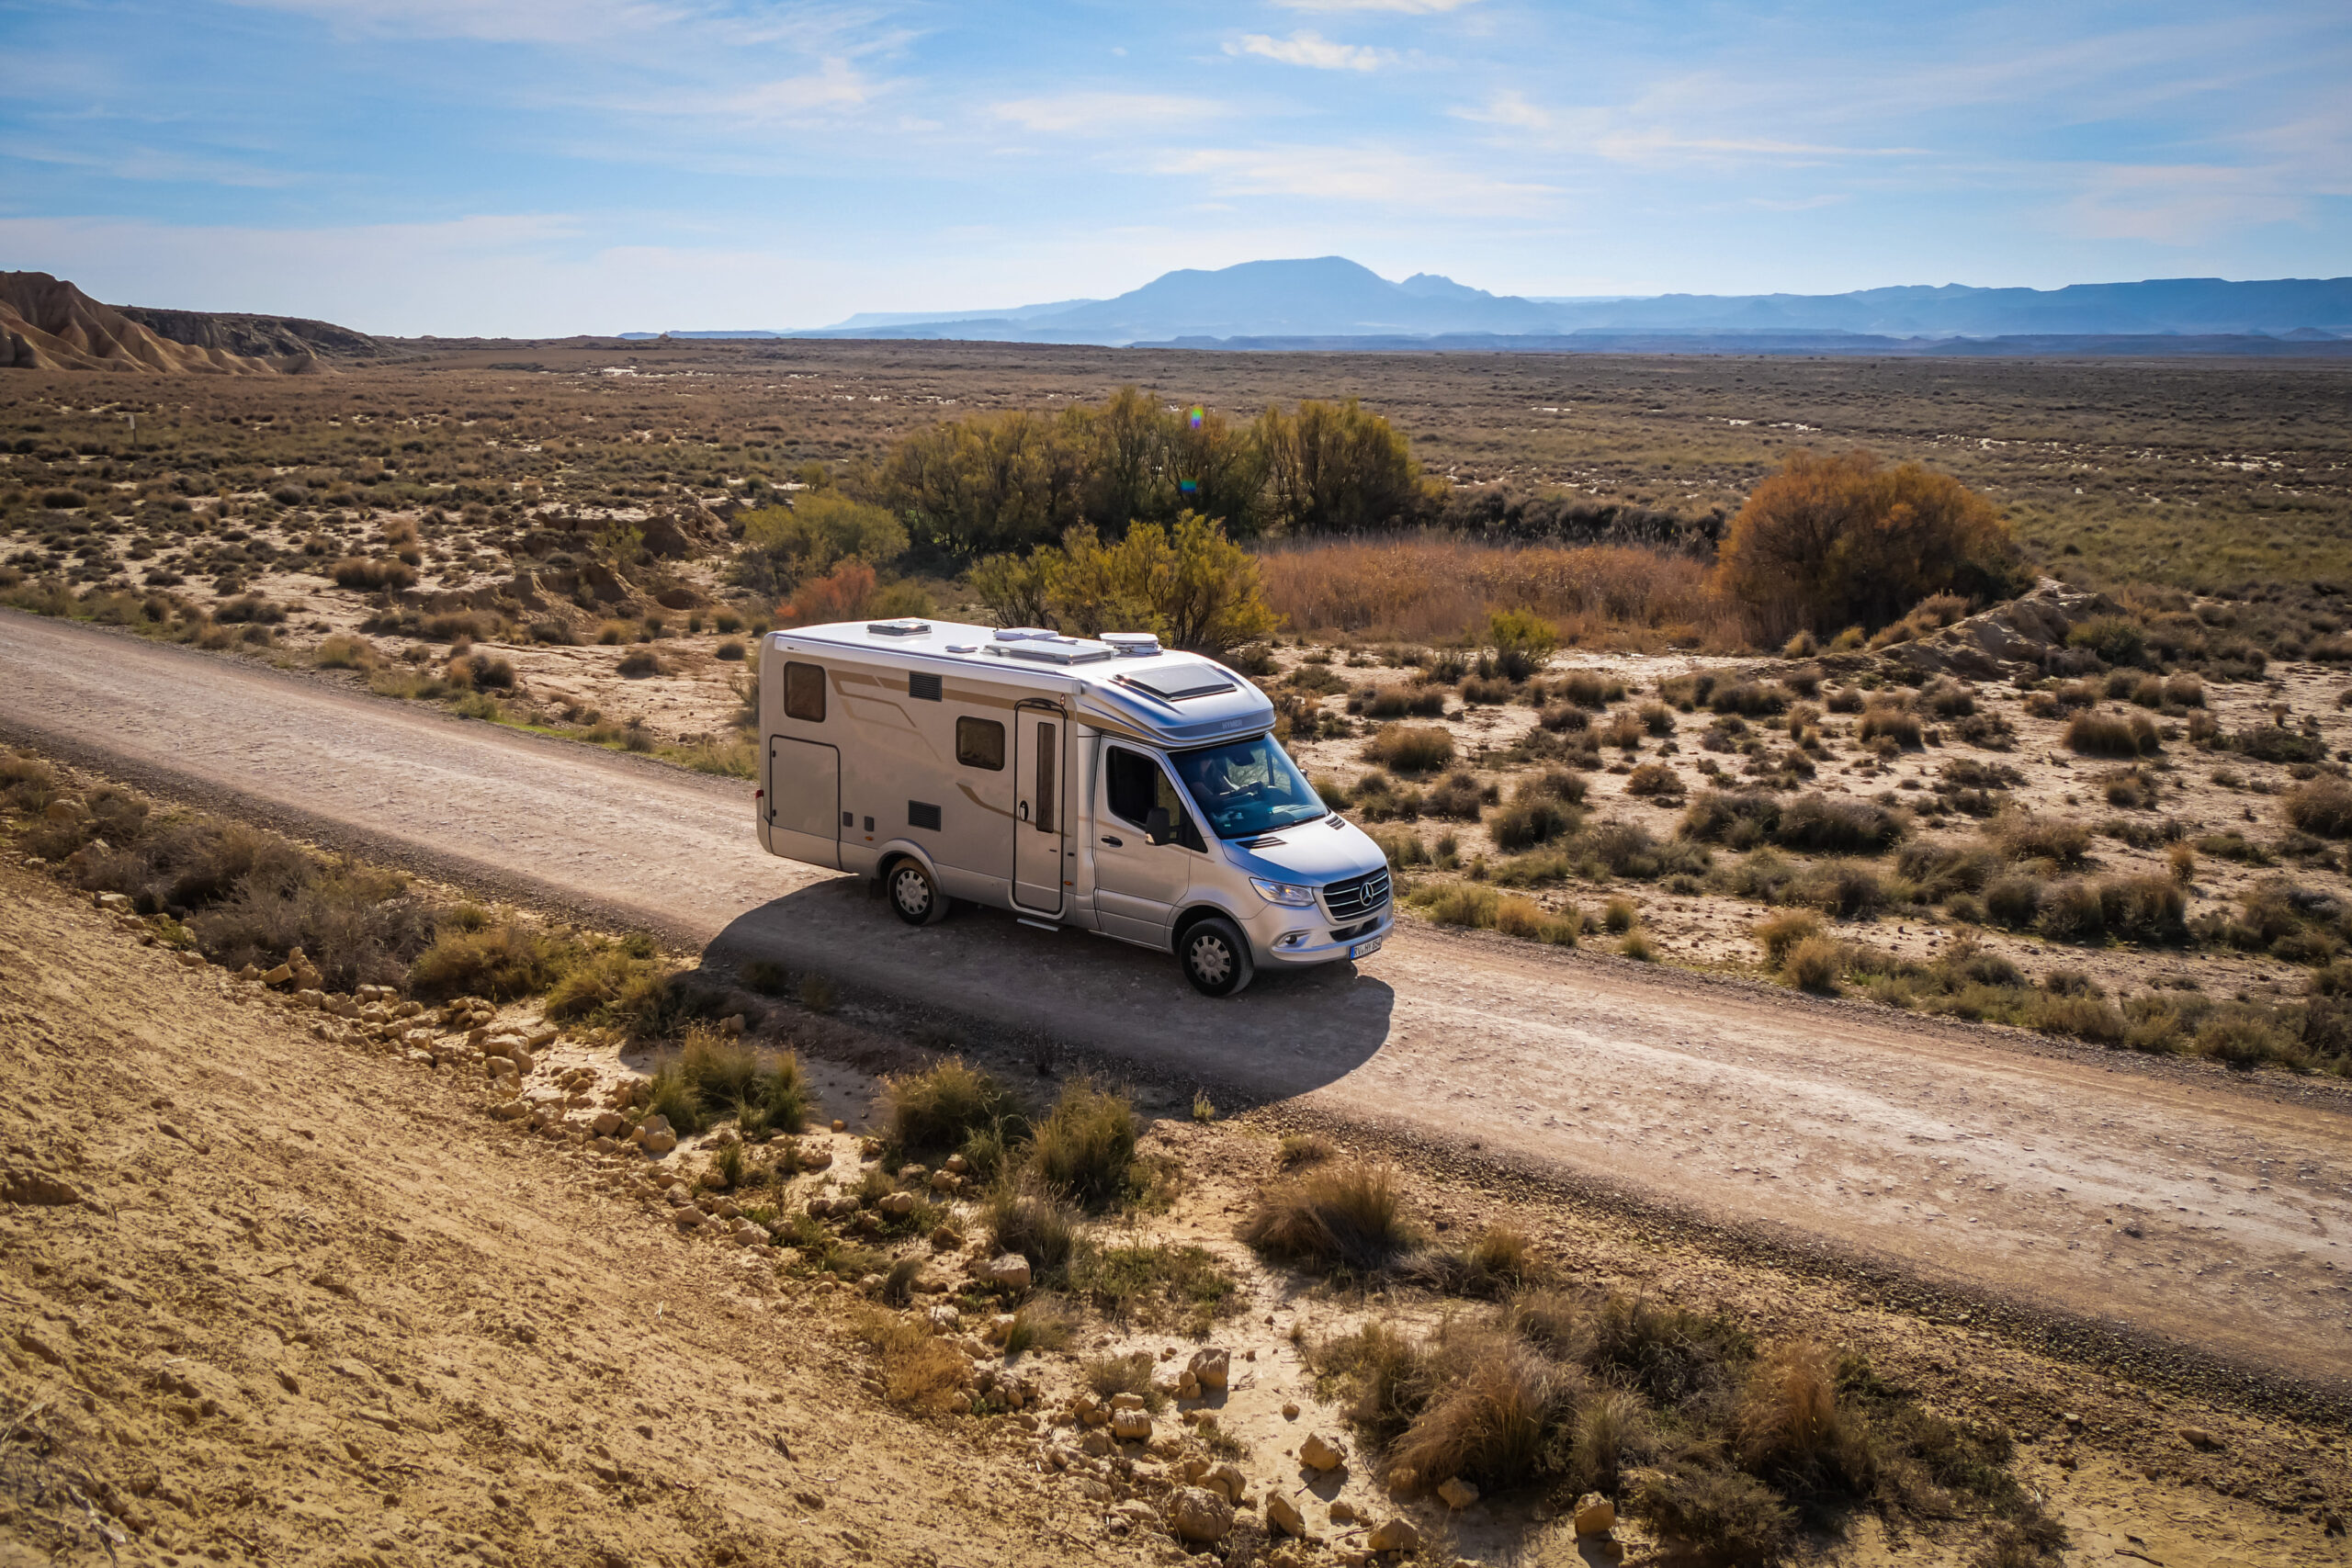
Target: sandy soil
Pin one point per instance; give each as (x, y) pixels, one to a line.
(272, 1297)
(309, 1308)
(2163, 1202)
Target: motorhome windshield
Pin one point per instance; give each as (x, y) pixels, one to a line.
(1247, 787)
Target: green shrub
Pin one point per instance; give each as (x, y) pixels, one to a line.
(500, 961)
(1463, 904)
(2117, 640)
(930, 1114)
(1040, 1226)
(2071, 911)
(1522, 640)
(623, 984)
(1086, 1145)
(1844, 887)
(1530, 820)
(1154, 1282)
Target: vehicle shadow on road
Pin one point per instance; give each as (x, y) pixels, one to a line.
(1289, 1034)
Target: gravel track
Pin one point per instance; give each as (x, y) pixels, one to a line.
(2168, 1200)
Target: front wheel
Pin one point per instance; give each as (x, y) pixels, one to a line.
(1217, 957)
(915, 896)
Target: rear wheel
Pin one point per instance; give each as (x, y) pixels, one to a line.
(1215, 957)
(915, 896)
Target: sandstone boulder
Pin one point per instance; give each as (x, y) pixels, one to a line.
(1319, 1452)
(1282, 1514)
(1211, 1366)
(1199, 1516)
(1596, 1515)
(1456, 1493)
(1006, 1271)
(1394, 1535)
(1131, 1426)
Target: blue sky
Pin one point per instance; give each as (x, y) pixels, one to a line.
(549, 166)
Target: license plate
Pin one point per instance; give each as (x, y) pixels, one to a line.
(1366, 949)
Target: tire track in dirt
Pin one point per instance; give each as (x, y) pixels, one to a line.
(2165, 1201)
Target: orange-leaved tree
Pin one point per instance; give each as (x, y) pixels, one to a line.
(1832, 542)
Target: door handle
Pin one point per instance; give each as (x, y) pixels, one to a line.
(1121, 843)
(1024, 811)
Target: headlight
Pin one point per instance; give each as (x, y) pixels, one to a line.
(1283, 893)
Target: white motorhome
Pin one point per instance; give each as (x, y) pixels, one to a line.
(1105, 785)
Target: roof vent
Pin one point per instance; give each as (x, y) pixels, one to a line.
(1024, 634)
(1133, 645)
(906, 625)
(1060, 650)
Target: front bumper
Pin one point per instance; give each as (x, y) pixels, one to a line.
(1303, 937)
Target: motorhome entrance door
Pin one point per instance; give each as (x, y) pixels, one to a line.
(805, 800)
(1038, 817)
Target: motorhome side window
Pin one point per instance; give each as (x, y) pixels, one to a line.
(979, 743)
(804, 692)
(1136, 784)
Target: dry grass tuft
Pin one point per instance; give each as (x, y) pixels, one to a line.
(1334, 1216)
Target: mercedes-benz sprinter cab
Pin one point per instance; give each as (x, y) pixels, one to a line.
(1104, 784)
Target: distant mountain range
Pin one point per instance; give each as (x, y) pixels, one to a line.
(1331, 303)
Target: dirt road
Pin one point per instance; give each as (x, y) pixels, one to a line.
(2165, 1200)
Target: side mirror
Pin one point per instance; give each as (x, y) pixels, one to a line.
(1156, 827)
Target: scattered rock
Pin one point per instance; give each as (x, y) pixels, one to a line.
(1213, 1366)
(1006, 1271)
(1229, 1480)
(604, 1123)
(1198, 1515)
(1394, 1535)
(64, 810)
(1342, 1511)
(655, 1137)
(1131, 1426)
(897, 1205)
(1319, 1452)
(840, 1125)
(37, 1187)
(1456, 1493)
(278, 975)
(1290, 1410)
(1596, 1515)
(1403, 1481)
(2199, 1437)
(1281, 1513)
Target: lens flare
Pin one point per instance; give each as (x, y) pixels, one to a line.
(1195, 418)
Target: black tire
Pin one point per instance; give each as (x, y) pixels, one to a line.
(915, 897)
(1216, 957)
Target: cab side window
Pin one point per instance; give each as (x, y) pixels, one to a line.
(1136, 784)
(804, 692)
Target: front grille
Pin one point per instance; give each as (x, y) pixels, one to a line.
(1357, 897)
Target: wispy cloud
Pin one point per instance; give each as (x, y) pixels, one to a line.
(1104, 112)
(2180, 205)
(1312, 49)
(1397, 8)
(1358, 175)
(834, 86)
(501, 21)
(152, 163)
